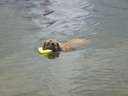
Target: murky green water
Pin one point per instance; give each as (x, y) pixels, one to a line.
(99, 69)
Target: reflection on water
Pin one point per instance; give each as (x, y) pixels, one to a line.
(94, 70)
(52, 55)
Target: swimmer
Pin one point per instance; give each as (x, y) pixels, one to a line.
(57, 46)
(65, 46)
(51, 48)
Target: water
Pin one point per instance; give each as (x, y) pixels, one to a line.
(99, 69)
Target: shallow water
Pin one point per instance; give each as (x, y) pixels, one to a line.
(97, 69)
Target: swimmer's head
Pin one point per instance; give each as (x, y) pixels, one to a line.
(52, 45)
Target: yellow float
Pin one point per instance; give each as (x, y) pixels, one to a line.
(45, 52)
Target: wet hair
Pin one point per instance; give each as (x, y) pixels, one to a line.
(52, 45)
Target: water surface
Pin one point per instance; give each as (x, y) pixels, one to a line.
(98, 69)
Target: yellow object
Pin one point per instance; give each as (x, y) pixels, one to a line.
(44, 52)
